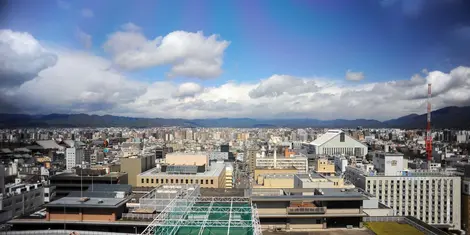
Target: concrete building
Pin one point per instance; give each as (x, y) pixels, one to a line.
(250, 159)
(74, 156)
(428, 196)
(228, 176)
(80, 209)
(340, 164)
(135, 165)
(324, 167)
(207, 174)
(66, 183)
(300, 209)
(21, 199)
(299, 162)
(337, 142)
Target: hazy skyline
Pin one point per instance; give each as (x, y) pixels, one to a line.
(197, 59)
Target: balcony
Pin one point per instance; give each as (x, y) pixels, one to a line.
(306, 210)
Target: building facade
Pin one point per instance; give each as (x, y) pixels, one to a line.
(429, 196)
(337, 142)
(74, 156)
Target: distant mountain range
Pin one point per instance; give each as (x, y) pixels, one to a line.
(450, 117)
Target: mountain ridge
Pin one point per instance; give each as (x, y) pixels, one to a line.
(449, 117)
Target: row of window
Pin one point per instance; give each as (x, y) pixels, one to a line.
(175, 181)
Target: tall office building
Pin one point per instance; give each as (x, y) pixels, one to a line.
(433, 197)
(74, 156)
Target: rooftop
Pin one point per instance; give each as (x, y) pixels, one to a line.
(389, 228)
(330, 134)
(90, 203)
(215, 169)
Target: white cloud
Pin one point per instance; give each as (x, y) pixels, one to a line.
(188, 89)
(189, 54)
(354, 76)
(82, 82)
(130, 27)
(84, 38)
(87, 13)
(22, 58)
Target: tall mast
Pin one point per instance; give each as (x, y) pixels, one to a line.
(428, 129)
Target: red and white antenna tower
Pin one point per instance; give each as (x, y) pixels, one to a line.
(428, 129)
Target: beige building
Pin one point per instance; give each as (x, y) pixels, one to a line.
(187, 159)
(135, 165)
(324, 167)
(270, 171)
(212, 176)
(229, 176)
(275, 181)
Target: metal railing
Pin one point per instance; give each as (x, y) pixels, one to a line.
(134, 216)
(306, 210)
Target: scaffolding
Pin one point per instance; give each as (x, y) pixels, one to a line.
(195, 215)
(160, 197)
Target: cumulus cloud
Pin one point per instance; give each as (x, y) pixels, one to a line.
(22, 58)
(188, 89)
(87, 13)
(83, 82)
(84, 38)
(354, 76)
(189, 54)
(278, 85)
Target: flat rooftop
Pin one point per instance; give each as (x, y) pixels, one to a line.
(288, 194)
(91, 203)
(215, 169)
(75, 176)
(390, 228)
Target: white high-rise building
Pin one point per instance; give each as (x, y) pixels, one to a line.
(73, 157)
(433, 197)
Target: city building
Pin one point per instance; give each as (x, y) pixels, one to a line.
(69, 182)
(135, 165)
(299, 162)
(211, 176)
(21, 198)
(337, 142)
(229, 179)
(74, 156)
(72, 208)
(324, 167)
(185, 168)
(300, 209)
(427, 195)
(340, 164)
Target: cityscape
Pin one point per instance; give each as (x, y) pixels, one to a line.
(234, 117)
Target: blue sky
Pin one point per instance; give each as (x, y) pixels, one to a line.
(385, 40)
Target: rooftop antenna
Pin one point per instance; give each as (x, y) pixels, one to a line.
(428, 130)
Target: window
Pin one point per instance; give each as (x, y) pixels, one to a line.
(212, 181)
(152, 181)
(142, 180)
(207, 181)
(171, 180)
(341, 137)
(156, 180)
(147, 180)
(187, 181)
(177, 181)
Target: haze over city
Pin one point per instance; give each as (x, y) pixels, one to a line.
(209, 59)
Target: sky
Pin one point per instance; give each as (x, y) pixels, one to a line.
(323, 59)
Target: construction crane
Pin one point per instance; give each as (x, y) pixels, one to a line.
(428, 129)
